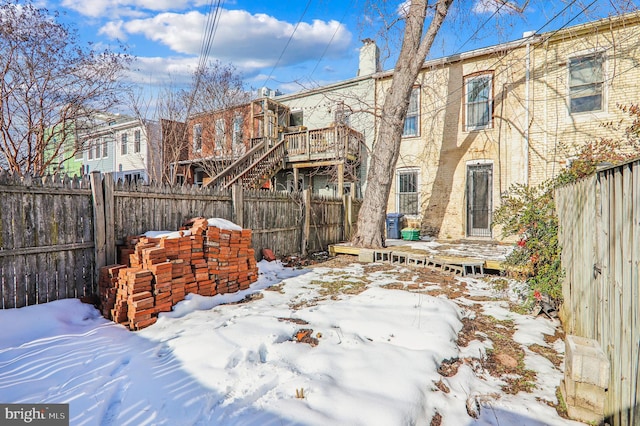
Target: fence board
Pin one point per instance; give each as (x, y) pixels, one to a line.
(47, 228)
(602, 299)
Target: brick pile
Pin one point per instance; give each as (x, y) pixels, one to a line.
(156, 273)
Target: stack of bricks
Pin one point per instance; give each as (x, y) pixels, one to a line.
(230, 259)
(157, 273)
(108, 288)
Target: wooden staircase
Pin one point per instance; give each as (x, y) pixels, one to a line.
(254, 168)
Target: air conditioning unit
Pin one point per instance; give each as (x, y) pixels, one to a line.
(265, 92)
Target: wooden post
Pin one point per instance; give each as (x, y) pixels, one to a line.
(99, 236)
(347, 203)
(306, 227)
(340, 179)
(109, 218)
(237, 200)
(296, 174)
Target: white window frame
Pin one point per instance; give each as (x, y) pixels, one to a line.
(413, 113)
(238, 121)
(488, 102)
(124, 142)
(400, 193)
(137, 137)
(601, 83)
(197, 137)
(219, 133)
(105, 148)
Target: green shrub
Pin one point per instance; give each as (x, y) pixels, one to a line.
(529, 213)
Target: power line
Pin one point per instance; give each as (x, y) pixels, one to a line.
(288, 41)
(331, 39)
(520, 44)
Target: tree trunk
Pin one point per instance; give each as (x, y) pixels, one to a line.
(415, 46)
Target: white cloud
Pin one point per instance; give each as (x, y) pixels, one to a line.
(130, 8)
(113, 30)
(162, 71)
(249, 41)
(493, 6)
(403, 9)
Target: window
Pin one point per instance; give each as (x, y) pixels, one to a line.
(237, 129)
(412, 121)
(341, 114)
(123, 144)
(133, 178)
(105, 149)
(585, 83)
(219, 133)
(478, 102)
(408, 191)
(90, 151)
(136, 141)
(297, 118)
(98, 149)
(197, 137)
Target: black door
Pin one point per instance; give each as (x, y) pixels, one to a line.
(479, 182)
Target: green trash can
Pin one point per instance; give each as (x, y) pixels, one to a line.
(410, 234)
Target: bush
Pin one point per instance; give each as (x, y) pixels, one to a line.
(529, 213)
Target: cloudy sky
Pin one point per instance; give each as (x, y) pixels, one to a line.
(291, 44)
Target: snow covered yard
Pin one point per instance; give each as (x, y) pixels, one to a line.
(389, 346)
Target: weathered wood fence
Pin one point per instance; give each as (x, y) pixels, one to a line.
(56, 233)
(600, 239)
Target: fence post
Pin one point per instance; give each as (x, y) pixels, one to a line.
(306, 224)
(109, 218)
(347, 211)
(237, 201)
(99, 237)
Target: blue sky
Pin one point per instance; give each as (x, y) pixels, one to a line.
(166, 36)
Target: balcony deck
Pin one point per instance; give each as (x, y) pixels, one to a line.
(331, 143)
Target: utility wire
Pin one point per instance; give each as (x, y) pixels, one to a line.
(288, 41)
(332, 37)
(520, 44)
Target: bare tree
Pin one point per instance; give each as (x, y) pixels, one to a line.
(50, 86)
(415, 47)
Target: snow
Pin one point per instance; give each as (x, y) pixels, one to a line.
(167, 234)
(223, 224)
(213, 361)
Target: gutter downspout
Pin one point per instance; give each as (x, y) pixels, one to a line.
(527, 100)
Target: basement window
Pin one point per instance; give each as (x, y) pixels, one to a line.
(408, 191)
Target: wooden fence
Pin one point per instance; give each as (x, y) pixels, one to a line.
(56, 233)
(600, 239)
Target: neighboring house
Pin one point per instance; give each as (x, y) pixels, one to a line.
(312, 139)
(481, 121)
(126, 147)
(68, 156)
(350, 103)
(214, 140)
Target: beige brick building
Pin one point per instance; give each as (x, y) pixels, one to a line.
(483, 120)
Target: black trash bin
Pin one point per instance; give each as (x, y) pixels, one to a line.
(393, 225)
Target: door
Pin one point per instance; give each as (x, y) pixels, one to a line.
(479, 183)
